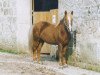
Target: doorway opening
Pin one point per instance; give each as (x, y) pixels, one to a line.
(43, 6)
(45, 10)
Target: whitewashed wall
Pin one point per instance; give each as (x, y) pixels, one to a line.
(8, 25)
(87, 23)
(23, 23)
(15, 20)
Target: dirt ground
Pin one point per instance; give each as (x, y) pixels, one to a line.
(11, 64)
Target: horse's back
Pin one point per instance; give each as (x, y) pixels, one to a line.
(39, 27)
(42, 24)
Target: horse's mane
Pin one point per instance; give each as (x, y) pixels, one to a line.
(62, 23)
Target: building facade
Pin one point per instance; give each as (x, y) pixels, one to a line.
(16, 19)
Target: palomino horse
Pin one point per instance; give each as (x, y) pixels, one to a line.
(57, 35)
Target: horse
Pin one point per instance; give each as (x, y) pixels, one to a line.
(52, 34)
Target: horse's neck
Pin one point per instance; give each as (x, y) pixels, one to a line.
(60, 23)
(63, 24)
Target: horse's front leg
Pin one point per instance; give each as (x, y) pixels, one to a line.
(64, 56)
(60, 54)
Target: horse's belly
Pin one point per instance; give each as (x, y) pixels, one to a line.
(48, 37)
(49, 40)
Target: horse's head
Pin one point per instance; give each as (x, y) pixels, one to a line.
(68, 19)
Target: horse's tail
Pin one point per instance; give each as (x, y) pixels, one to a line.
(30, 42)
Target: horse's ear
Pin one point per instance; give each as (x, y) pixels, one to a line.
(71, 12)
(65, 12)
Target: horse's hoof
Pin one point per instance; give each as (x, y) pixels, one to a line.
(65, 66)
(60, 64)
(61, 67)
(40, 62)
(35, 61)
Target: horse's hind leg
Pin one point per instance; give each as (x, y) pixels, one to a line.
(34, 51)
(39, 51)
(34, 54)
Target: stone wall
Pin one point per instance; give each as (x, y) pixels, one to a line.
(8, 24)
(87, 24)
(15, 20)
(24, 14)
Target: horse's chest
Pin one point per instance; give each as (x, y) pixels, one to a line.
(62, 33)
(63, 37)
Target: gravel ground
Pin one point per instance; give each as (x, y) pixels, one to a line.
(11, 64)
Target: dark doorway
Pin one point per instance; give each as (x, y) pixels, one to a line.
(45, 5)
